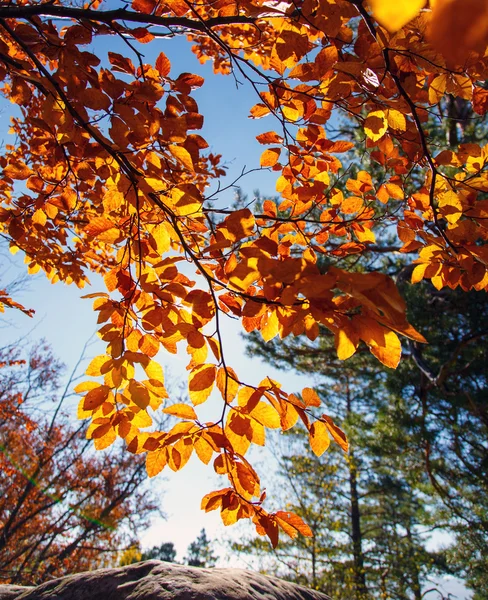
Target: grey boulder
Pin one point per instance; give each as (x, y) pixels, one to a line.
(156, 580)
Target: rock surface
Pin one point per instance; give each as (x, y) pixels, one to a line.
(156, 580)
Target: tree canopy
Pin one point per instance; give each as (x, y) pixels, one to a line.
(108, 175)
(62, 507)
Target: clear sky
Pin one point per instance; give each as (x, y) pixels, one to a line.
(67, 321)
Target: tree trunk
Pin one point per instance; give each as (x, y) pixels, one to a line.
(359, 574)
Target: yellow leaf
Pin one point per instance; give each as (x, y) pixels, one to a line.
(156, 461)
(389, 353)
(270, 326)
(203, 449)
(186, 201)
(142, 419)
(182, 411)
(154, 371)
(450, 205)
(85, 386)
(183, 156)
(346, 343)
(364, 234)
(200, 383)
(396, 119)
(96, 366)
(81, 412)
(106, 440)
(394, 14)
(138, 393)
(375, 125)
(437, 88)
(418, 272)
(161, 237)
(238, 430)
(266, 415)
(319, 438)
(39, 217)
(290, 113)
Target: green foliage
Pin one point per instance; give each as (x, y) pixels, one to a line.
(418, 457)
(165, 552)
(200, 552)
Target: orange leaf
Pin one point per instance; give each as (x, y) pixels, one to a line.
(182, 411)
(270, 157)
(351, 205)
(144, 6)
(163, 64)
(259, 110)
(465, 21)
(270, 137)
(336, 432)
(227, 382)
(156, 461)
(183, 156)
(319, 438)
(310, 397)
(96, 397)
(200, 383)
(295, 521)
(17, 170)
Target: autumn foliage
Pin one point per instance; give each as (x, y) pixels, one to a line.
(109, 175)
(63, 508)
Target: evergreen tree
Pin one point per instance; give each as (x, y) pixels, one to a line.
(200, 552)
(165, 552)
(374, 489)
(448, 421)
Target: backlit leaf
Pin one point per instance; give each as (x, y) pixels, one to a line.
(336, 432)
(375, 125)
(270, 157)
(156, 461)
(200, 383)
(394, 15)
(319, 438)
(182, 155)
(310, 397)
(182, 411)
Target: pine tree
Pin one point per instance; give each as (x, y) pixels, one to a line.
(165, 552)
(200, 552)
(383, 512)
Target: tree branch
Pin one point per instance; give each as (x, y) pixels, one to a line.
(121, 14)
